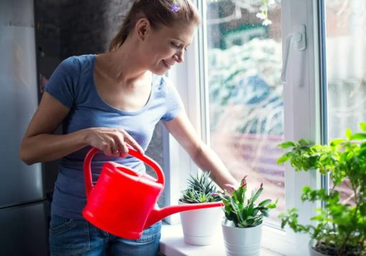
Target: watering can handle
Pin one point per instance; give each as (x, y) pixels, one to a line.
(132, 152)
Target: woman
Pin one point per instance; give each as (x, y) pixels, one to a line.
(107, 101)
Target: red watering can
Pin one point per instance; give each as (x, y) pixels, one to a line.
(123, 200)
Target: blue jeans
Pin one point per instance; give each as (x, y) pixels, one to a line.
(70, 237)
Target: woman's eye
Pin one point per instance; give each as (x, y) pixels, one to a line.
(174, 45)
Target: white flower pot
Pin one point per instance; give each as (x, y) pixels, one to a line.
(241, 241)
(199, 226)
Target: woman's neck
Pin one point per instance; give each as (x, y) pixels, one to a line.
(123, 65)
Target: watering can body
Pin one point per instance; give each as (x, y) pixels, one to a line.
(123, 201)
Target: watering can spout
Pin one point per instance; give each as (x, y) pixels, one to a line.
(159, 214)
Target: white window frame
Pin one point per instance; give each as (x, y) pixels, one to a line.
(302, 116)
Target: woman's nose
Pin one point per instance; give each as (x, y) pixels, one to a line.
(179, 57)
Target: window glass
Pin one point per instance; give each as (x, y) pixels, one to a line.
(346, 64)
(244, 61)
(346, 68)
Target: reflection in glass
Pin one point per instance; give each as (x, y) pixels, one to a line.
(346, 68)
(245, 92)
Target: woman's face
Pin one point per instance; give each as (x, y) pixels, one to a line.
(164, 47)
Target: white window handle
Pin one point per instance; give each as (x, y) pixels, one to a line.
(298, 36)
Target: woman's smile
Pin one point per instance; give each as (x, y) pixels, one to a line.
(167, 65)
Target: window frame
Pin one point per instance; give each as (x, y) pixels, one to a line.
(303, 114)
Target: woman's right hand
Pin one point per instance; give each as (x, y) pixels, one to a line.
(112, 141)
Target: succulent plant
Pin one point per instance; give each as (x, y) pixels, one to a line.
(200, 189)
(243, 210)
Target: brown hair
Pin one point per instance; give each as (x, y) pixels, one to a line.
(158, 12)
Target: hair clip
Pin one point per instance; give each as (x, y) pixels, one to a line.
(175, 6)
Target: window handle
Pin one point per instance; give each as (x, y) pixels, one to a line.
(299, 37)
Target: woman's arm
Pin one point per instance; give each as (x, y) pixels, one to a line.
(205, 158)
(40, 144)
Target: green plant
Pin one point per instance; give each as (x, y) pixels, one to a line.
(340, 225)
(200, 189)
(242, 210)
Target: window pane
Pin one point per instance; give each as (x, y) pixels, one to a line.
(245, 91)
(346, 67)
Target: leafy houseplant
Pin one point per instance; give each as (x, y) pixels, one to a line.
(199, 225)
(340, 227)
(242, 225)
(242, 210)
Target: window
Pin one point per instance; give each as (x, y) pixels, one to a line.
(247, 87)
(244, 88)
(345, 64)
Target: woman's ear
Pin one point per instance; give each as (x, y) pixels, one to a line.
(142, 28)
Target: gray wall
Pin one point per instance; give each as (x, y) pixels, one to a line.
(74, 27)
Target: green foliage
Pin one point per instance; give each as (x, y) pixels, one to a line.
(340, 224)
(242, 210)
(201, 189)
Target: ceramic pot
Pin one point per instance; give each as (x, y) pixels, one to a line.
(200, 226)
(241, 241)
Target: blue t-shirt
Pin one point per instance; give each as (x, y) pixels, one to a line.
(72, 83)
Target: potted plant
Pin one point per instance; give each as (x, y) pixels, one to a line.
(242, 225)
(198, 225)
(339, 227)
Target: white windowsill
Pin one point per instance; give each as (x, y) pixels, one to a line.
(172, 244)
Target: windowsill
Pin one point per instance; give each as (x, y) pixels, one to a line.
(172, 244)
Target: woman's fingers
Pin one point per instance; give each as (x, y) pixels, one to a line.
(116, 151)
(119, 143)
(122, 142)
(131, 141)
(109, 146)
(113, 141)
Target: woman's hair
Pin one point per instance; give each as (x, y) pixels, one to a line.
(158, 12)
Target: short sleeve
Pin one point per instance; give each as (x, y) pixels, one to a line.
(63, 81)
(174, 103)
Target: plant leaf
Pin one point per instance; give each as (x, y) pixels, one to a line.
(284, 158)
(348, 133)
(287, 144)
(305, 142)
(336, 142)
(363, 126)
(256, 195)
(264, 203)
(358, 136)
